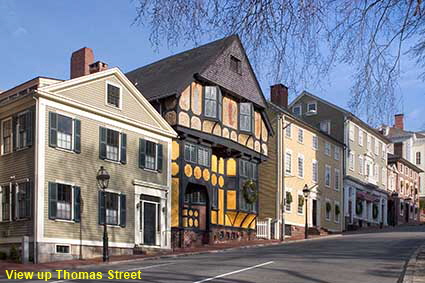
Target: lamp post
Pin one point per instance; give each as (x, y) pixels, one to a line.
(103, 182)
(306, 192)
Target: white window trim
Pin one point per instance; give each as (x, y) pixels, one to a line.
(330, 213)
(298, 136)
(106, 95)
(288, 126)
(11, 135)
(72, 133)
(351, 132)
(290, 171)
(67, 245)
(330, 175)
(300, 194)
(311, 112)
(337, 153)
(18, 147)
(298, 172)
(288, 190)
(361, 165)
(360, 134)
(119, 193)
(317, 173)
(72, 201)
(339, 179)
(297, 106)
(328, 145)
(119, 144)
(354, 160)
(312, 142)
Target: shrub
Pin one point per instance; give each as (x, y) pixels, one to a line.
(14, 253)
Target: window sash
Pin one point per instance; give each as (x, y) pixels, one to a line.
(288, 163)
(300, 166)
(151, 155)
(21, 133)
(112, 208)
(211, 101)
(288, 130)
(315, 172)
(112, 145)
(64, 202)
(203, 157)
(300, 135)
(6, 203)
(113, 96)
(7, 136)
(190, 153)
(245, 117)
(327, 176)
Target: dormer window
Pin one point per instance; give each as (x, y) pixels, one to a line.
(212, 102)
(113, 96)
(245, 117)
(235, 65)
(312, 108)
(296, 110)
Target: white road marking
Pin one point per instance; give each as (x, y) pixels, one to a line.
(150, 266)
(234, 272)
(133, 269)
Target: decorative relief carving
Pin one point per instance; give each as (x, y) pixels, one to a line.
(257, 124)
(264, 133)
(171, 117)
(257, 146)
(217, 130)
(234, 136)
(226, 133)
(185, 99)
(196, 98)
(265, 149)
(195, 123)
(184, 119)
(230, 113)
(207, 126)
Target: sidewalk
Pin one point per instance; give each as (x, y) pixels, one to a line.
(86, 263)
(415, 268)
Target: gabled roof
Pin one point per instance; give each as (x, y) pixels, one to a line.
(346, 113)
(392, 158)
(171, 75)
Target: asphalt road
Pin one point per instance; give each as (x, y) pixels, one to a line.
(371, 257)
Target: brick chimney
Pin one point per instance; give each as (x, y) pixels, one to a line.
(279, 95)
(98, 66)
(399, 121)
(80, 62)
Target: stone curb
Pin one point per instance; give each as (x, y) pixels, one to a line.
(171, 256)
(408, 274)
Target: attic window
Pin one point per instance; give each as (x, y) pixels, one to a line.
(113, 96)
(235, 65)
(212, 102)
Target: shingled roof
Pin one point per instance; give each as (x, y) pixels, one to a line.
(171, 75)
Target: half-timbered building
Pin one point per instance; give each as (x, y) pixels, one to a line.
(211, 97)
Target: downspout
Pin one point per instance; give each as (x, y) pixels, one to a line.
(279, 154)
(36, 188)
(282, 160)
(344, 156)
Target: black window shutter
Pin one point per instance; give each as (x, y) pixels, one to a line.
(15, 137)
(28, 124)
(160, 159)
(53, 199)
(28, 193)
(101, 208)
(102, 143)
(77, 136)
(219, 104)
(15, 213)
(142, 153)
(53, 129)
(123, 148)
(77, 204)
(123, 210)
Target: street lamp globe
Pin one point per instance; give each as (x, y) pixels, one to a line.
(306, 191)
(102, 178)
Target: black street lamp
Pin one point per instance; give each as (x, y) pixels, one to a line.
(306, 192)
(103, 182)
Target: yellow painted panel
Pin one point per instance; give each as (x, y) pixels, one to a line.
(174, 168)
(184, 212)
(231, 167)
(248, 220)
(252, 226)
(197, 173)
(231, 215)
(214, 163)
(175, 202)
(231, 199)
(188, 170)
(221, 181)
(239, 219)
(206, 175)
(220, 207)
(213, 217)
(221, 165)
(227, 221)
(185, 222)
(214, 179)
(175, 150)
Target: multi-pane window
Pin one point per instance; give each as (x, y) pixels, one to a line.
(6, 203)
(22, 126)
(327, 176)
(327, 149)
(296, 110)
(64, 133)
(376, 146)
(248, 171)
(6, 136)
(113, 95)
(300, 135)
(300, 203)
(194, 195)
(336, 153)
(288, 163)
(315, 171)
(418, 158)
(315, 143)
(15, 201)
(112, 144)
(325, 126)
(312, 107)
(351, 132)
(150, 161)
(24, 200)
(361, 165)
(235, 65)
(336, 212)
(288, 130)
(337, 181)
(360, 137)
(64, 202)
(328, 211)
(212, 99)
(190, 153)
(245, 117)
(369, 143)
(301, 166)
(287, 201)
(203, 156)
(351, 158)
(111, 206)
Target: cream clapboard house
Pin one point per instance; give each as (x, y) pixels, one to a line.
(55, 136)
(300, 155)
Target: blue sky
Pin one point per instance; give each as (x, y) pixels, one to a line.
(38, 37)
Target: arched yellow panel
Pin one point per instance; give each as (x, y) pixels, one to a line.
(239, 219)
(214, 163)
(248, 220)
(206, 175)
(175, 150)
(185, 222)
(231, 167)
(188, 170)
(174, 168)
(231, 199)
(221, 166)
(221, 181)
(197, 173)
(174, 202)
(214, 179)
(252, 226)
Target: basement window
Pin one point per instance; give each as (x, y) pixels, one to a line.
(62, 249)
